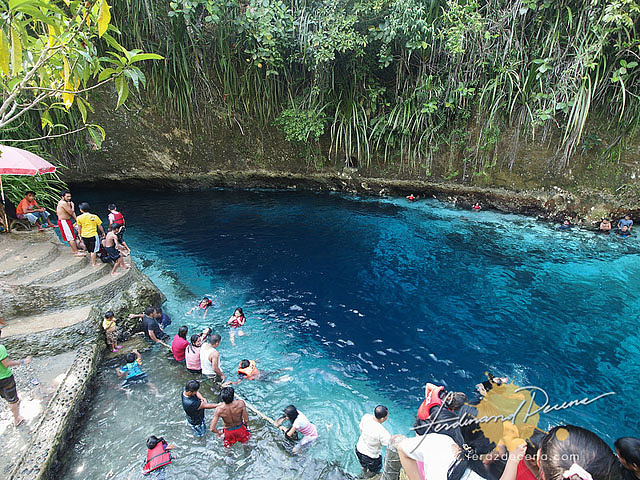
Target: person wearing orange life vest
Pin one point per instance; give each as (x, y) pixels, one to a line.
(247, 370)
(158, 457)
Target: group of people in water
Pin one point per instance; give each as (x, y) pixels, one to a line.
(623, 227)
(443, 447)
(199, 354)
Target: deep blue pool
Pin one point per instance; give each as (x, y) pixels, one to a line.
(367, 299)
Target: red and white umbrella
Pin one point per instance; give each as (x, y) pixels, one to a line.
(15, 161)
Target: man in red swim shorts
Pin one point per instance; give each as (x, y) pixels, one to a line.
(234, 416)
(66, 211)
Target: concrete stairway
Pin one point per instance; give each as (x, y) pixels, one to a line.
(49, 287)
(53, 302)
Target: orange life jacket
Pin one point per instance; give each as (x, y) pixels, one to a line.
(432, 400)
(156, 457)
(252, 369)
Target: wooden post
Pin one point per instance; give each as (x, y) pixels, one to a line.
(392, 465)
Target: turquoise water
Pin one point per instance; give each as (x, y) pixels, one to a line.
(363, 301)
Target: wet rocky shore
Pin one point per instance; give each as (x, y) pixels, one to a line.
(52, 303)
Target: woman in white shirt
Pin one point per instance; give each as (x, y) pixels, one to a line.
(299, 423)
(441, 456)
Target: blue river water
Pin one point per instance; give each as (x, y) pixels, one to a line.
(361, 301)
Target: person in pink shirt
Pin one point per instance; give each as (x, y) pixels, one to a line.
(299, 423)
(179, 344)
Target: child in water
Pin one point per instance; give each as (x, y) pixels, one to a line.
(236, 323)
(158, 457)
(133, 371)
(204, 304)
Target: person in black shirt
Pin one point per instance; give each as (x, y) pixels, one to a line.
(194, 405)
(150, 326)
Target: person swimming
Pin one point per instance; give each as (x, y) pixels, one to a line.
(411, 197)
(248, 370)
(623, 232)
(204, 304)
(236, 322)
(477, 206)
(566, 225)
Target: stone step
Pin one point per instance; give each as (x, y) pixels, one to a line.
(46, 321)
(26, 260)
(85, 276)
(64, 265)
(15, 242)
(107, 286)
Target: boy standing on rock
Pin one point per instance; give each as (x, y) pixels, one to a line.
(111, 331)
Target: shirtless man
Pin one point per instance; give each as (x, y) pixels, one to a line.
(66, 211)
(111, 245)
(234, 416)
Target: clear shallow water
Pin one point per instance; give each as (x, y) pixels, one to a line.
(365, 300)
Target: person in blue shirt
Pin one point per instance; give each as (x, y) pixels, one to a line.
(566, 225)
(626, 221)
(133, 372)
(164, 320)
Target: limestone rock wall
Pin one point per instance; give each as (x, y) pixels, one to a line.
(145, 148)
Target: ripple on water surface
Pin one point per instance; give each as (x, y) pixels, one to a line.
(363, 301)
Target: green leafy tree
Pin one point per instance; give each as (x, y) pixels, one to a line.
(52, 54)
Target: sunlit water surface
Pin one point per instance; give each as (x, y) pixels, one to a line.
(364, 300)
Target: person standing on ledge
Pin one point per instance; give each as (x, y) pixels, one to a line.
(234, 417)
(112, 247)
(150, 327)
(89, 225)
(66, 211)
(372, 437)
(8, 389)
(210, 358)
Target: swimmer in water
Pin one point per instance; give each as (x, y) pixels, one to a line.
(411, 197)
(566, 225)
(204, 304)
(236, 322)
(248, 370)
(605, 226)
(623, 232)
(133, 372)
(476, 206)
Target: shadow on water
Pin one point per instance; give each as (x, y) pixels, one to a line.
(364, 300)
